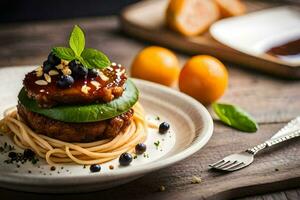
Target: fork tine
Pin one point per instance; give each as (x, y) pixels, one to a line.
(216, 163)
(233, 165)
(222, 164)
(230, 163)
(236, 167)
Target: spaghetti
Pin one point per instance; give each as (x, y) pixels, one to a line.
(57, 151)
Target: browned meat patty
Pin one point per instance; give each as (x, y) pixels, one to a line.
(76, 132)
(106, 86)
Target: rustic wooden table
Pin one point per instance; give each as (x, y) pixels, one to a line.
(271, 101)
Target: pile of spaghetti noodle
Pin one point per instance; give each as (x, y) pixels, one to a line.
(57, 151)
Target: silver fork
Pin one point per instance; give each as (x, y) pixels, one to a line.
(240, 160)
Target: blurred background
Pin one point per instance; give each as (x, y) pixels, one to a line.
(20, 10)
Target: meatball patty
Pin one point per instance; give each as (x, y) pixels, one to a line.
(76, 132)
(104, 87)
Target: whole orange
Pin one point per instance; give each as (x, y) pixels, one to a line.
(203, 77)
(156, 64)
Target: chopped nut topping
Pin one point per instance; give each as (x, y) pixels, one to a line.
(47, 78)
(96, 84)
(39, 73)
(85, 89)
(103, 77)
(41, 82)
(64, 62)
(196, 180)
(66, 71)
(162, 188)
(110, 69)
(60, 66)
(113, 64)
(40, 68)
(120, 72)
(53, 72)
(119, 65)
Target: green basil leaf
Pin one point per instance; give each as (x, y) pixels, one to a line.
(64, 53)
(85, 113)
(95, 59)
(77, 40)
(235, 117)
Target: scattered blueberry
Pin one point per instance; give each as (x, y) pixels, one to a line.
(53, 59)
(140, 148)
(92, 73)
(12, 154)
(28, 153)
(65, 81)
(163, 127)
(47, 66)
(95, 168)
(125, 159)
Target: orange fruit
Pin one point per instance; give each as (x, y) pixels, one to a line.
(156, 64)
(203, 77)
(229, 8)
(191, 17)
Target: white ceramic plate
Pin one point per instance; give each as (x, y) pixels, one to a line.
(254, 33)
(191, 128)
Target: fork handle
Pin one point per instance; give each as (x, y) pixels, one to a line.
(274, 141)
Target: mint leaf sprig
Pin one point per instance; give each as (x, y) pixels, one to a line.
(89, 58)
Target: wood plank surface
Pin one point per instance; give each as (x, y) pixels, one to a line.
(146, 20)
(271, 100)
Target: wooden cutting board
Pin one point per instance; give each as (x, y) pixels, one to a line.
(145, 20)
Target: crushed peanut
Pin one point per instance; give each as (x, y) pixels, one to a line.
(196, 180)
(119, 73)
(162, 188)
(47, 78)
(85, 89)
(96, 84)
(119, 65)
(60, 66)
(41, 82)
(103, 77)
(66, 71)
(39, 73)
(53, 72)
(113, 64)
(64, 62)
(40, 68)
(110, 69)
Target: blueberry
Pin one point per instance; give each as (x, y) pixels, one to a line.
(65, 81)
(95, 168)
(92, 73)
(79, 71)
(125, 159)
(12, 155)
(163, 127)
(53, 59)
(28, 153)
(140, 148)
(72, 64)
(47, 66)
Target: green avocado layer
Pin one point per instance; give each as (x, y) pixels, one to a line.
(85, 113)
